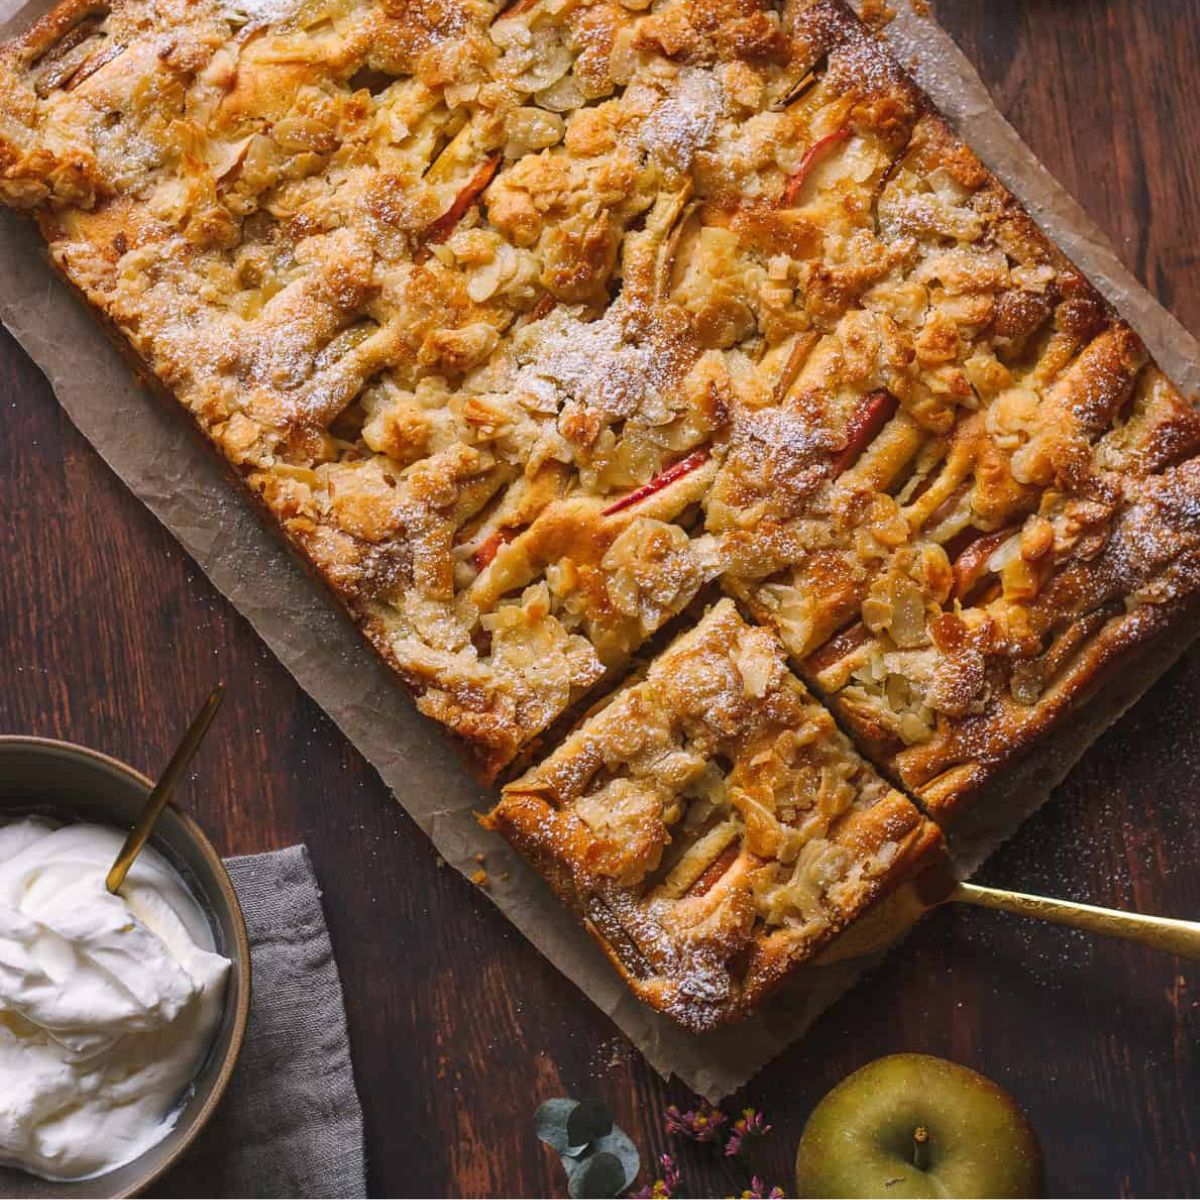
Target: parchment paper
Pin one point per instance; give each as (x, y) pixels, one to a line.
(160, 459)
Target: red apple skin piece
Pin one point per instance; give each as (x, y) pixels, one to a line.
(685, 466)
(490, 547)
(812, 156)
(971, 564)
(443, 227)
(875, 411)
(543, 308)
(712, 874)
(911, 1125)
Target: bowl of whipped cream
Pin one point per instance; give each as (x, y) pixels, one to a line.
(121, 1016)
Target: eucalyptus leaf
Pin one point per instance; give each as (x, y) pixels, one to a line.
(600, 1160)
(598, 1176)
(550, 1123)
(588, 1121)
(618, 1144)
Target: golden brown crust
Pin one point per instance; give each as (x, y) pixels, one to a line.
(981, 812)
(285, 220)
(962, 498)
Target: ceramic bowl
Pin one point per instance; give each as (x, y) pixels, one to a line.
(67, 781)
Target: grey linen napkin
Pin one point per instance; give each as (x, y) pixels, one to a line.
(290, 1124)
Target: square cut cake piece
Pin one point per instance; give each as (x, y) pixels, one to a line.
(712, 826)
(958, 670)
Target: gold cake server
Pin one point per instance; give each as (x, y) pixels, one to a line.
(936, 885)
(889, 918)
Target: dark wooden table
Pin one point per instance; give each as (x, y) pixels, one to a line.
(109, 635)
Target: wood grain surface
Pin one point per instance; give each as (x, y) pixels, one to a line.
(110, 636)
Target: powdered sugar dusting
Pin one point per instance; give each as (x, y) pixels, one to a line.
(685, 120)
(601, 363)
(1154, 544)
(260, 12)
(794, 439)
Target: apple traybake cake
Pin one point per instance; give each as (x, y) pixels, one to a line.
(537, 326)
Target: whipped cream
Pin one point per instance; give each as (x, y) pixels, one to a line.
(108, 1004)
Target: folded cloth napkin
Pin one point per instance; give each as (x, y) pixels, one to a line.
(290, 1123)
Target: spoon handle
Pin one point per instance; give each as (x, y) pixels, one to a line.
(167, 781)
(1160, 933)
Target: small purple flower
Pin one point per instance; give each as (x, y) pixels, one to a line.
(670, 1172)
(749, 1125)
(664, 1187)
(676, 1121)
(756, 1191)
(700, 1125)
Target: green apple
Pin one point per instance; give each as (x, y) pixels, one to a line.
(910, 1125)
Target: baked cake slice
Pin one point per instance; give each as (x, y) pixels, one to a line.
(1033, 623)
(712, 825)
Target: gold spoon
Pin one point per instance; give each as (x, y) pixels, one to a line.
(936, 885)
(167, 782)
(880, 925)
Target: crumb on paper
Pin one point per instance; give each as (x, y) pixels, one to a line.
(920, 7)
(480, 878)
(479, 857)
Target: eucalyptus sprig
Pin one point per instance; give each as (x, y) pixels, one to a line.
(598, 1157)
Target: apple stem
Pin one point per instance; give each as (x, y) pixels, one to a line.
(921, 1148)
